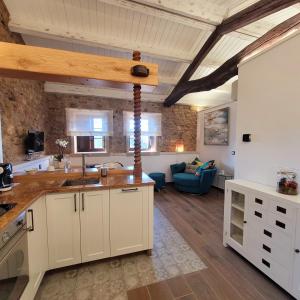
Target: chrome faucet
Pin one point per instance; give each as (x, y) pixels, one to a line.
(83, 165)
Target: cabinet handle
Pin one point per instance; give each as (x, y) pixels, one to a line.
(259, 201)
(258, 214)
(297, 250)
(245, 222)
(281, 209)
(280, 224)
(266, 263)
(82, 201)
(265, 247)
(130, 190)
(75, 202)
(31, 228)
(267, 233)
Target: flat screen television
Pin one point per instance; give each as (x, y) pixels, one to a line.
(34, 141)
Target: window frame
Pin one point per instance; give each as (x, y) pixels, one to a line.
(152, 149)
(104, 151)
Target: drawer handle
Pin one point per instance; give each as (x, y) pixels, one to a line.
(265, 247)
(267, 233)
(266, 263)
(130, 190)
(281, 209)
(259, 201)
(258, 214)
(280, 224)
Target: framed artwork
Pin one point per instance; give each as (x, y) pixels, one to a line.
(216, 127)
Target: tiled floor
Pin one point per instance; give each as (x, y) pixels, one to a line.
(112, 278)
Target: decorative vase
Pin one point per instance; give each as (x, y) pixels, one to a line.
(59, 164)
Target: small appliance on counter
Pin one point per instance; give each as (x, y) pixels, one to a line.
(6, 177)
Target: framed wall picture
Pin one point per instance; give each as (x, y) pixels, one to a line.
(216, 127)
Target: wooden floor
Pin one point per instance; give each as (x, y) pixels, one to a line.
(199, 219)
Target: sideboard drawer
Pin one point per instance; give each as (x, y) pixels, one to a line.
(256, 216)
(281, 224)
(275, 245)
(271, 268)
(284, 211)
(259, 201)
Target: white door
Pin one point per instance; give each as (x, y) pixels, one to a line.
(129, 220)
(296, 277)
(63, 229)
(37, 246)
(94, 220)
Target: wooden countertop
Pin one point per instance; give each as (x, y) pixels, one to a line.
(28, 191)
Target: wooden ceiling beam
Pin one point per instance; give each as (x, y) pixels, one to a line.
(28, 62)
(230, 68)
(72, 89)
(245, 17)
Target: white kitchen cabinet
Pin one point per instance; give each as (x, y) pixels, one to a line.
(37, 247)
(94, 221)
(131, 219)
(63, 229)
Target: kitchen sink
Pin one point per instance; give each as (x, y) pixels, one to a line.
(87, 181)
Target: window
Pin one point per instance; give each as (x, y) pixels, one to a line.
(89, 144)
(148, 143)
(150, 129)
(90, 129)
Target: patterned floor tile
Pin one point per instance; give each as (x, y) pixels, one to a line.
(110, 279)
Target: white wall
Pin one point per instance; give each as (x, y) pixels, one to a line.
(150, 163)
(269, 109)
(221, 154)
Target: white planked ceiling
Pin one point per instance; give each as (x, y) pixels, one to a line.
(167, 32)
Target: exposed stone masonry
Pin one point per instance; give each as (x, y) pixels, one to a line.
(176, 120)
(22, 103)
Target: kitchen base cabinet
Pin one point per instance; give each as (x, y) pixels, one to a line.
(94, 221)
(63, 229)
(131, 219)
(37, 247)
(264, 227)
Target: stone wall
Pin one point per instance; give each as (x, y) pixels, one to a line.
(22, 103)
(177, 121)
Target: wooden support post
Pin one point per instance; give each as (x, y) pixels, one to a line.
(137, 122)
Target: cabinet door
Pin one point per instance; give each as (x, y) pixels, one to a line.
(94, 221)
(296, 277)
(37, 247)
(236, 199)
(129, 220)
(63, 229)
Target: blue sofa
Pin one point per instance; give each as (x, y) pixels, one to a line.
(187, 182)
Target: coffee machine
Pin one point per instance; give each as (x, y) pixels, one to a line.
(6, 177)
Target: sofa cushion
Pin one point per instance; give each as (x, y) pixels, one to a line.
(178, 168)
(186, 179)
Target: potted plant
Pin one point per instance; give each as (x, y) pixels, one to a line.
(59, 158)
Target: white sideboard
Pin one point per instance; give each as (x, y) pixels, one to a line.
(264, 227)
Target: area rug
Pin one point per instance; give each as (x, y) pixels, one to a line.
(110, 279)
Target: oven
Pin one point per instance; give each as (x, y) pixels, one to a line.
(14, 270)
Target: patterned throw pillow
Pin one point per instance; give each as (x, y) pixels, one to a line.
(190, 168)
(208, 165)
(196, 161)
